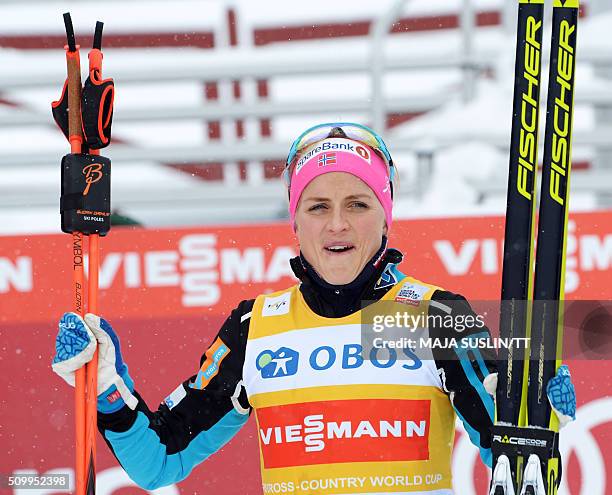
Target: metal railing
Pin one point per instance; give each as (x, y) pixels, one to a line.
(237, 110)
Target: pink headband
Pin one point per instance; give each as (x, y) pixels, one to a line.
(341, 155)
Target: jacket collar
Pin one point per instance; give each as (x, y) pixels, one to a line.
(335, 301)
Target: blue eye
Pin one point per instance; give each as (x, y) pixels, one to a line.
(317, 207)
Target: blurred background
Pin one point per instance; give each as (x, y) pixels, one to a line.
(209, 96)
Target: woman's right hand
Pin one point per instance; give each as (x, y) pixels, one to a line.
(75, 345)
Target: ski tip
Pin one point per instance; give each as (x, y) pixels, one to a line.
(568, 4)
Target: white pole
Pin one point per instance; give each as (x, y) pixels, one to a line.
(468, 29)
(380, 30)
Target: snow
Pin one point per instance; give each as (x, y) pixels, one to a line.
(450, 194)
(488, 115)
(594, 33)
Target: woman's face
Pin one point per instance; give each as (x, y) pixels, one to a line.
(339, 226)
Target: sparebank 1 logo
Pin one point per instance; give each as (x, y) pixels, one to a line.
(283, 362)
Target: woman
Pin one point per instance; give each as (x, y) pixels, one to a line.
(334, 414)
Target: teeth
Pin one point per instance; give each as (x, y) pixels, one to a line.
(338, 248)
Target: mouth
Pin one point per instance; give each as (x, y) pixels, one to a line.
(339, 248)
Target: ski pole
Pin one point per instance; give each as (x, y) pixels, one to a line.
(75, 138)
(84, 114)
(91, 370)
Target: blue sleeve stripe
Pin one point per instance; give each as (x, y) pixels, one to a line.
(144, 457)
(485, 398)
(466, 364)
(485, 454)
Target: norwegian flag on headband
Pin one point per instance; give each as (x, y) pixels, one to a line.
(327, 159)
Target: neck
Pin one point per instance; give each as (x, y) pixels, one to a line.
(337, 300)
(361, 279)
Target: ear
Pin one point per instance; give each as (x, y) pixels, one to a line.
(385, 229)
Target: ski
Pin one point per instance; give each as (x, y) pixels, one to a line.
(525, 438)
(549, 282)
(519, 231)
(520, 208)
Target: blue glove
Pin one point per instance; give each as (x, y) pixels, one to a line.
(559, 390)
(75, 345)
(562, 395)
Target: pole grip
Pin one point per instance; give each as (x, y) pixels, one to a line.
(75, 126)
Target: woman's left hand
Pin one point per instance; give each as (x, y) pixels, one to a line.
(562, 395)
(559, 390)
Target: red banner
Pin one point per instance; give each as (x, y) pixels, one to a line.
(188, 271)
(338, 431)
(168, 291)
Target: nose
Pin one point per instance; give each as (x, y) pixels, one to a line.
(337, 221)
